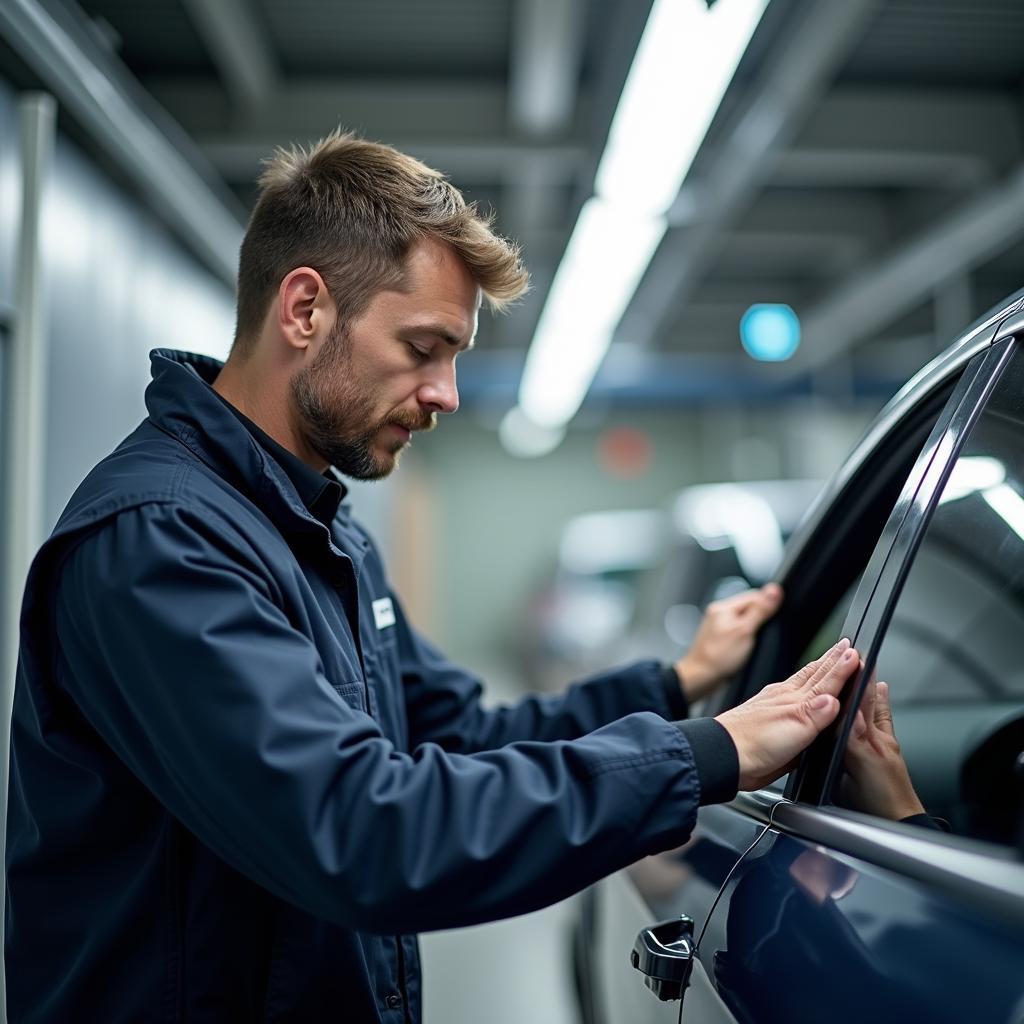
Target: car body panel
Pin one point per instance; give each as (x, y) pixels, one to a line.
(684, 881)
(814, 934)
(831, 914)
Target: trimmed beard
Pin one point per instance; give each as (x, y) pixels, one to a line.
(336, 417)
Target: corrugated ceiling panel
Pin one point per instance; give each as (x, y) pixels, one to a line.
(394, 38)
(942, 42)
(157, 36)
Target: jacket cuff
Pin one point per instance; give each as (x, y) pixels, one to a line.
(678, 705)
(715, 757)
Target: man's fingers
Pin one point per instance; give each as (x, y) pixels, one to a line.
(832, 677)
(742, 605)
(811, 674)
(860, 726)
(808, 677)
(883, 709)
(760, 604)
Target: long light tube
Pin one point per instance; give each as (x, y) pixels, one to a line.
(682, 68)
(606, 255)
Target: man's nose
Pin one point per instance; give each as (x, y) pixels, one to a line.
(440, 391)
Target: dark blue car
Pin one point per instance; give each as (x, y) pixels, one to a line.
(807, 908)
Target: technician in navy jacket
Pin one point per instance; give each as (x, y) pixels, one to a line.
(240, 781)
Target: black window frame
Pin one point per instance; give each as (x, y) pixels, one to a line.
(867, 625)
(842, 546)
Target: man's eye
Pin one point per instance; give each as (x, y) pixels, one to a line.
(418, 353)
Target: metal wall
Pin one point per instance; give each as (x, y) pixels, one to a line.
(117, 285)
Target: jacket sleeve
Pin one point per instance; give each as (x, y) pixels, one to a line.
(176, 649)
(443, 701)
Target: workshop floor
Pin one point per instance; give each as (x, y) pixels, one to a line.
(509, 972)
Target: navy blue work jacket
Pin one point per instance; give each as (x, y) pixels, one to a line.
(238, 788)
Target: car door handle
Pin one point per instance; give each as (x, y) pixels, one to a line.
(663, 953)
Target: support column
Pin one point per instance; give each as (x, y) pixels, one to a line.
(24, 407)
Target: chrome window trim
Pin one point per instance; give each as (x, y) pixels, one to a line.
(905, 503)
(980, 335)
(960, 868)
(888, 587)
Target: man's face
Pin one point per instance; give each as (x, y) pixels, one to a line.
(390, 371)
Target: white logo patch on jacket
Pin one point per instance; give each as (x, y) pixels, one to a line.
(383, 612)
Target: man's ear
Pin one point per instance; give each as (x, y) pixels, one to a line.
(305, 309)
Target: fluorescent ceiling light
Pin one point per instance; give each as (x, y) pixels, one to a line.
(523, 438)
(683, 65)
(606, 256)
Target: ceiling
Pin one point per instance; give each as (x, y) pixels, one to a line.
(865, 165)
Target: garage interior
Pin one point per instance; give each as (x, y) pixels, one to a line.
(863, 167)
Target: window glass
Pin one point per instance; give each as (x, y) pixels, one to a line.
(951, 656)
(831, 629)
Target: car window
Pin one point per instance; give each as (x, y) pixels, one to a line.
(951, 655)
(830, 630)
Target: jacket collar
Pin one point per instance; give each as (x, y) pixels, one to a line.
(182, 403)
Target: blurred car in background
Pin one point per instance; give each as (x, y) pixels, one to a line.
(805, 906)
(586, 607)
(634, 583)
(718, 539)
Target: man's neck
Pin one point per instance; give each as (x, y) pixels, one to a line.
(245, 386)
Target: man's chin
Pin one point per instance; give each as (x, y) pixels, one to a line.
(382, 464)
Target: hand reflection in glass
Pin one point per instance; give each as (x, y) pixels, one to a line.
(877, 780)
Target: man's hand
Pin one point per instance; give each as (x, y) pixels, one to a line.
(771, 729)
(877, 779)
(725, 639)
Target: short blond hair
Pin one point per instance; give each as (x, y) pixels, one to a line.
(350, 209)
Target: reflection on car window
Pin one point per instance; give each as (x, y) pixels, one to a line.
(951, 655)
(830, 630)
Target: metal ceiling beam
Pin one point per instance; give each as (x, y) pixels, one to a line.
(71, 65)
(544, 69)
(485, 161)
(547, 47)
(238, 47)
(979, 229)
(797, 72)
(903, 137)
(856, 212)
(310, 108)
(849, 226)
(983, 123)
(804, 167)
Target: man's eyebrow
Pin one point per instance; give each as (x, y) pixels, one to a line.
(442, 332)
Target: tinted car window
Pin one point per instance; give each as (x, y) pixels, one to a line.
(951, 654)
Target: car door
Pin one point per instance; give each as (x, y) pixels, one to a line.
(833, 561)
(837, 911)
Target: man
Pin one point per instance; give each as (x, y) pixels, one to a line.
(241, 781)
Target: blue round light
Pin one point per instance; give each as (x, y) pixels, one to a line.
(770, 331)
